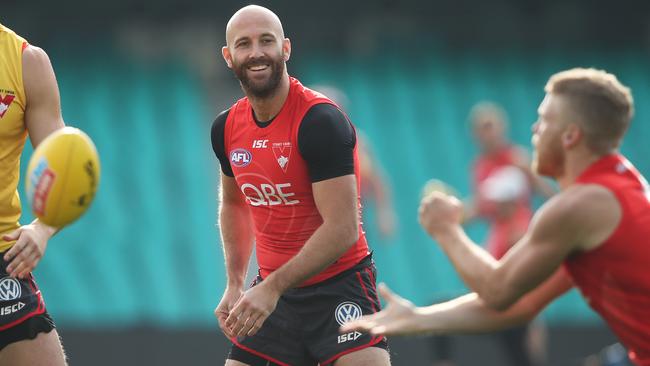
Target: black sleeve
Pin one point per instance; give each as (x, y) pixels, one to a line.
(326, 141)
(217, 135)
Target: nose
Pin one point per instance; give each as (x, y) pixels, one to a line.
(535, 127)
(256, 51)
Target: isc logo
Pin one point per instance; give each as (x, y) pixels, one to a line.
(268, 194)
(348, 337)
(240, 157)
(260, 144)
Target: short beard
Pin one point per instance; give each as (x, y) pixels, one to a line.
(551, 166)
(267, 89)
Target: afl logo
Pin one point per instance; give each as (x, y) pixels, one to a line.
(9, 289)
(240, 157)
(347, 312)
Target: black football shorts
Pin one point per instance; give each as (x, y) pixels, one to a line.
(304, 328)
(22, 309)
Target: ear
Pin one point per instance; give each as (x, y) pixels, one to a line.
(286, 48)
(572, 136)
(227, 56)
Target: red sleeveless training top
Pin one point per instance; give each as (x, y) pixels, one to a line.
(614, 278)
(273, 176)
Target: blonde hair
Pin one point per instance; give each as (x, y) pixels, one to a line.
(603, 105)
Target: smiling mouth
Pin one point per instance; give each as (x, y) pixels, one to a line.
(258, 68)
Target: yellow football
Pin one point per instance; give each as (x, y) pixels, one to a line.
(62, 177)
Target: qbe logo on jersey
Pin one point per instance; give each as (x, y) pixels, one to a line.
(347, 312)
(9, 289)
(240, 157)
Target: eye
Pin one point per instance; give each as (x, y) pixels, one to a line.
(241, 44)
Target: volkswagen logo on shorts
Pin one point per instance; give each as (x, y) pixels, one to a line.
(346, 312)
(9, 289)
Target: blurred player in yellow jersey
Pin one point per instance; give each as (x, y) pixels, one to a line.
(29, 105)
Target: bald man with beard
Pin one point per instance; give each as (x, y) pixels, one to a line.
(290, 184)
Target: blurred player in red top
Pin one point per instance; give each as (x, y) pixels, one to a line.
(593, 234)
(502, 181)
(290, 182)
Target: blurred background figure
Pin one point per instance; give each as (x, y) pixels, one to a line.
(503, 181)
(375, 188)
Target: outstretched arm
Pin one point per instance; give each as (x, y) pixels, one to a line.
(465, 314)
(578, 219)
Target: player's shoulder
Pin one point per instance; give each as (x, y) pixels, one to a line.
(219, 123)
(587, 194)
(581, 217)
(222, 116)
(325, 119)
(34, 56)
(325, 126)
(583, 206)
(324, 113)
(36, 67)
(583, 197)
(38, 74)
